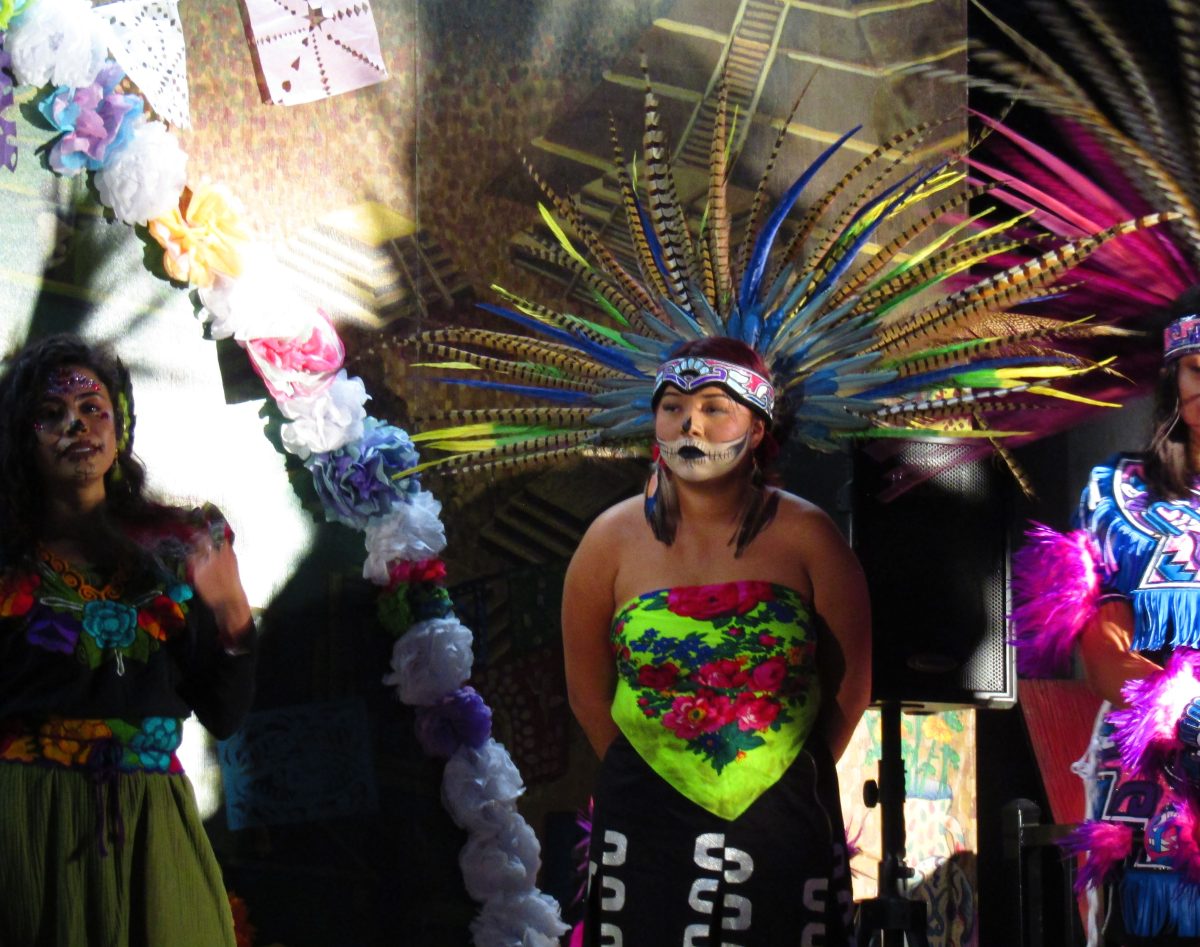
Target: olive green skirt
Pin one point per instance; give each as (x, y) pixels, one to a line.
(118, 864)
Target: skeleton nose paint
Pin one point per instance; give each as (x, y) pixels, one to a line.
(691, 459)
(687, 424)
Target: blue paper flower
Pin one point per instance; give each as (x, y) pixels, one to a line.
(111, 624)
(355, 482)
(96, 122)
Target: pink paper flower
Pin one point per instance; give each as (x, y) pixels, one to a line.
(302, 366)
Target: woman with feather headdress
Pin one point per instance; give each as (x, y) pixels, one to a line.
(738, 619)
(716, 630)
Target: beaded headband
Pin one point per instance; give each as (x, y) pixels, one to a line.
(694, 372)
(1182, 337)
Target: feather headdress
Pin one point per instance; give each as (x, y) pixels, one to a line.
(1126, 126)
(856, 297)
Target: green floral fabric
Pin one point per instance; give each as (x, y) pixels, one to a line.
(716, 687)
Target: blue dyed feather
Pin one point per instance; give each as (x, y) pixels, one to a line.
(766, 239)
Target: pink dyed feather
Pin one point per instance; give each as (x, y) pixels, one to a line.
(1145, 731)
(1187, 847)
(1104, 845)
(1056, 588)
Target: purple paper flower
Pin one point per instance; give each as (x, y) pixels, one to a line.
(459, 718)
(355, 482)
(8, 128)
(111, 624)
(51, 630)
(95, 120)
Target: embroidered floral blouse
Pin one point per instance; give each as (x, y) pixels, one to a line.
(716, 687)
(132, 645)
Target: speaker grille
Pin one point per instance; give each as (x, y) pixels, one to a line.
(936, 559)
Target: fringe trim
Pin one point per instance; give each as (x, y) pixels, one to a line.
(1154, 903)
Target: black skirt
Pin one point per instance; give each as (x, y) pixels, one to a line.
(663, 871)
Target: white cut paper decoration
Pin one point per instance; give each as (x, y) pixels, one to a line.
(146, 38)
(309, 50)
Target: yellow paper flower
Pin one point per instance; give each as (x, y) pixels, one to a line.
(203, 238)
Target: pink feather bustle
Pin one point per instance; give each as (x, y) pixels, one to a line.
(1056, 589)
(1145, 731)
(1103, 845)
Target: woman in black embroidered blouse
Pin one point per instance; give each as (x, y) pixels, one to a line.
(118, 617)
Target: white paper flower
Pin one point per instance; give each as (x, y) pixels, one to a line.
(412, 531)
(145, 178)
(326, 421)
(56, 41)
(480, 788)
(258, 304)
(503, 862)
(430, 660)
(522, 920)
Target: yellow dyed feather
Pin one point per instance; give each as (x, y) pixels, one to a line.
(560, 235)
(1011, 287)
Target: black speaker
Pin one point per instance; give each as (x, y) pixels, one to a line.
(937, 565)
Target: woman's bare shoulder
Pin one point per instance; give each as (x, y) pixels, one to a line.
(805, 523)
(618, 519)
(798, 509)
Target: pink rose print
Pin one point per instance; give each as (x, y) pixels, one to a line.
(724, 673)
(714, 601)
(754, 713)
(658, 677)
(691, 716)
(769, 675)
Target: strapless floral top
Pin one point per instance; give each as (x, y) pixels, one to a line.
(717, 687)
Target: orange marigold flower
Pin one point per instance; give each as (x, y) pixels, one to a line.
(201, 237)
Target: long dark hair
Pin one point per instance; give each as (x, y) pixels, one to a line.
(22, 493)
(760, 503)
(1168, 473)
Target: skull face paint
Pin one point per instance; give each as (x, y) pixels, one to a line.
(693, 460)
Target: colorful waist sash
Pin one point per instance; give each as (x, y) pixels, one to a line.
(99, 747)
(716, 687)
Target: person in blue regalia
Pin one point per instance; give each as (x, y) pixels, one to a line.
(1122, 594)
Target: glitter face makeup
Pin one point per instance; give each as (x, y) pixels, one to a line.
(74, 427)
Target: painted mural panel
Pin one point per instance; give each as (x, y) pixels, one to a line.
(939, 813)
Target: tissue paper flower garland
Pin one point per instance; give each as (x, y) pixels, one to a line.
(140, 174)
